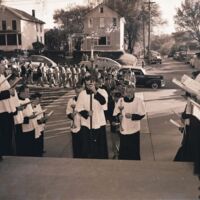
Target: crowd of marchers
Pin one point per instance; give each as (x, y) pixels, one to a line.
(52, 76)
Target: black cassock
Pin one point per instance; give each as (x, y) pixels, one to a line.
(194, 138)
(190, 147)
(7, 139)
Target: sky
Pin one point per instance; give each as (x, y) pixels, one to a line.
(168, 9)
(45, 8)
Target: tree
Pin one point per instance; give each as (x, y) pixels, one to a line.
(187, 18)
(162, 43)
(71, 21)
(38, 46)
(55, 38)
(135, 15)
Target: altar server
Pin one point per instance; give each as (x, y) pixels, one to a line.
(76, 123)
(90, 105)
(27, 137)
(130, 110)
(39, 124)
(6, 117)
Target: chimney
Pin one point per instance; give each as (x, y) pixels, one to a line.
(33, 13)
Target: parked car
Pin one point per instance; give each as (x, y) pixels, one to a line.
(143, 78)
(37, 59)
(156, 59)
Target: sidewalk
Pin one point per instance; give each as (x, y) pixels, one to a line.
(160, 139)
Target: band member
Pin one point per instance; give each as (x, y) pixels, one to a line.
(6, 116)
(27, 138)
(90, 106)
(130, 110)
(62, 76)
(76, 123)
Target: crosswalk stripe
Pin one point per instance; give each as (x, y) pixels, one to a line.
(56, 100)
(57, 129)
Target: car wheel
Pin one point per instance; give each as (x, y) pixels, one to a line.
(154, 85)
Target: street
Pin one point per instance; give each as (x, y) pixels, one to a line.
(159, 138)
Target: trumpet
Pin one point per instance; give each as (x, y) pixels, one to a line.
(121, 107)
(73, 126)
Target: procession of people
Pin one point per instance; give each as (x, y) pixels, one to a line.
(62, 75)
(90, 111)
(100, 100)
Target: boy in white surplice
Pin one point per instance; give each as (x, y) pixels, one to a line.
(130, 110)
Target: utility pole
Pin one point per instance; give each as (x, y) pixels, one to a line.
(149, 28)
(143, 31)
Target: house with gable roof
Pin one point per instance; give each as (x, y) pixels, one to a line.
(18, 29)
(103, 30)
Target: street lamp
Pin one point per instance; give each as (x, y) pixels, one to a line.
(92, 50)
(92, 37)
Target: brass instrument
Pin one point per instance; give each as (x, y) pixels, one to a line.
(73, 106)
(121, 107)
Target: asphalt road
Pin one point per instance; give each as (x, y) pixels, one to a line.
(159, 138)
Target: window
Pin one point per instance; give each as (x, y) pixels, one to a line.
(114, 21)
(101, 25)
(101, 9)
(11, 39)
(41, 39)
(102, 41)
(4, 25)
(90, 23)
(137, 72)
(2, 39)
(19, 39)
(14, 25)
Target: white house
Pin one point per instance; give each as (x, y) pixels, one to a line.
(18, 29)
(103, 30)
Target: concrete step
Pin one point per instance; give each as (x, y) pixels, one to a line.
(84, 179)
